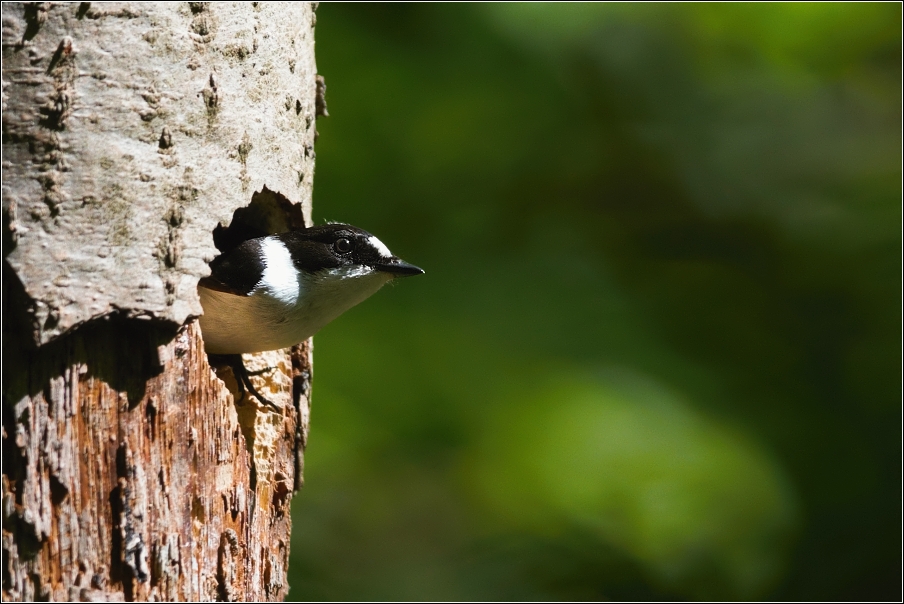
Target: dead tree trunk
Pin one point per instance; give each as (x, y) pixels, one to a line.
(131, 132)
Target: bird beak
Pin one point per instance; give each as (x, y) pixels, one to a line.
(399, 268)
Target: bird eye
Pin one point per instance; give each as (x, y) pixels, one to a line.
(343, 246)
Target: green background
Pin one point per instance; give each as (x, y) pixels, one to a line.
(657, 350)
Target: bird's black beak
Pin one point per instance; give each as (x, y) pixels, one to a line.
(399, 268)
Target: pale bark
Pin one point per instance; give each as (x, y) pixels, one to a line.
(130, 132)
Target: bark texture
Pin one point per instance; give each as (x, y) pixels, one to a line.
(130, 131)
(139, 140)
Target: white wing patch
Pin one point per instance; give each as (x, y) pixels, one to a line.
(280, 279)
(380, 247)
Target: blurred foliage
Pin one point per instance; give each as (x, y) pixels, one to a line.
(657, 351)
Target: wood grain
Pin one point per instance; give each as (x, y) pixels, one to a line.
(174, 493)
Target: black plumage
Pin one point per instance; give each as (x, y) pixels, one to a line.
(314, 249)
(237, 271)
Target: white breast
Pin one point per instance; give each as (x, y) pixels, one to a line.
(281, 312)
(235, 324)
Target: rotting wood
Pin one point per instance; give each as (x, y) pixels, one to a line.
(117, 493)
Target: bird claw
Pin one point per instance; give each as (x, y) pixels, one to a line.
(242, 376)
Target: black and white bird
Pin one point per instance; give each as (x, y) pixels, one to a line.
(276, 291)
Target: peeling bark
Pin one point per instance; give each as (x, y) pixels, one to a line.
(139, 141)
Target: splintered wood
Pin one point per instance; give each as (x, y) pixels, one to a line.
(174, 493)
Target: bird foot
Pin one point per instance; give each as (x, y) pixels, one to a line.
(242, 375)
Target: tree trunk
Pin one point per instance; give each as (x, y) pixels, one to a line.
(139, 141)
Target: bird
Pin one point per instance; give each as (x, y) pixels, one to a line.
(275, 291)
